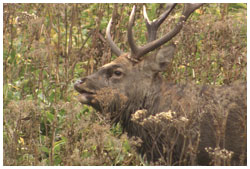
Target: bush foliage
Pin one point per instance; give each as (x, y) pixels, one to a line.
(49, 46)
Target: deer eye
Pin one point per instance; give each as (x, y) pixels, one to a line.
(118, 73)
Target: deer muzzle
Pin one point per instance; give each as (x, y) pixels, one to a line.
(86, 95)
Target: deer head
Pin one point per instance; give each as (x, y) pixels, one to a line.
(134, 73)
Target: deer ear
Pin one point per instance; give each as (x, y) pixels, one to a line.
(160, 61)
(163, 59)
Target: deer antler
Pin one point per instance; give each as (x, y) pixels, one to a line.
(136, 51)
(112, 44)
(152, 26)
(131, 42)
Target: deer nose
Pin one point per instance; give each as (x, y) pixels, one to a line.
(77, 84)
(80, 81)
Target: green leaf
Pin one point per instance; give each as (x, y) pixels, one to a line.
(13, 57)
(50, 116)
(237, 6)
(62, 112)
(57, 160)
(58, 145)
(52, 97)
(44, 149)
(93, 147)
(126, 145)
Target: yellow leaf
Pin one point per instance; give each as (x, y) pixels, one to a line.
(21, 140)
(198, 11)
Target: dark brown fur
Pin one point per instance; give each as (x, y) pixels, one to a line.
(180, 124)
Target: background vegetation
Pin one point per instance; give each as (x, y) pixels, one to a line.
(49, 46)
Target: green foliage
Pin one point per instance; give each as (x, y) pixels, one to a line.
(236, 6)
(48, 46)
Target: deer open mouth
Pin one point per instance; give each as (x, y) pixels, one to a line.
(84, 91)
(86, 96)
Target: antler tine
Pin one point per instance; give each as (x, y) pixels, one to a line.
(113, 46)
(188, 9)
(131, 42)
(163, 16)
(152, 26)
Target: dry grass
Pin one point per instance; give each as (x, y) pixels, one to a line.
(47, 46)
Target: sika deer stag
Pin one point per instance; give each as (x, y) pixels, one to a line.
(177, 124)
